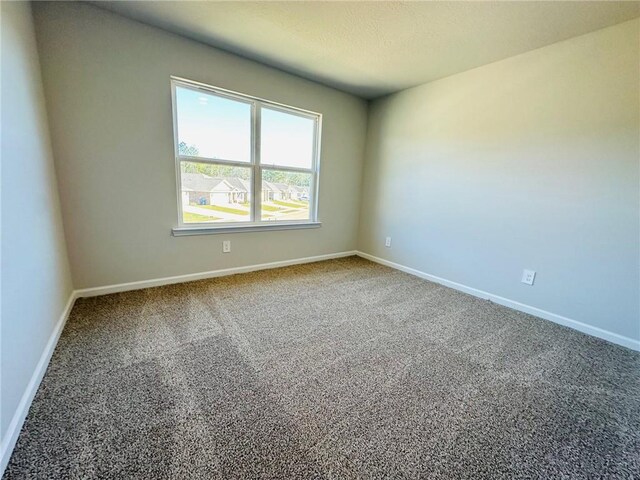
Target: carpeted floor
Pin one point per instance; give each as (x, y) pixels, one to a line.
(340, 369)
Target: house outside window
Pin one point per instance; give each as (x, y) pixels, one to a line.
(243, 161)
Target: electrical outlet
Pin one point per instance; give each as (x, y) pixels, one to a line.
(528, 276)
(226, 246)
(387, 242)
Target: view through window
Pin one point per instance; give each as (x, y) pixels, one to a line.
(241, 159)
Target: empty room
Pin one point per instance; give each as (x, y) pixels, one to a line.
(304, 240)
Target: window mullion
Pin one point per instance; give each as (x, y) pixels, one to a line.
(257, 172)
(213, 161)
(288, 169)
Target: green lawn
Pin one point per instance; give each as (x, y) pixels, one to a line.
(270, 208)
(195, 218)
(291, 203)
(218, 208)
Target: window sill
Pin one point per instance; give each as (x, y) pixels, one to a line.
(207, 230)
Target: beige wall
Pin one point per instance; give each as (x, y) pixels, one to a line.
(531, 162)
(108, 95)
(36, 283)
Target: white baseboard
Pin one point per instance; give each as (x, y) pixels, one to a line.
(8, 442)
(567, 322)
(15, 426)
(156, 282)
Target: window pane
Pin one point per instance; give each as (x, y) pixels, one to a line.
(213, 127)
(215, 193)
(286, 140)
(285, 195)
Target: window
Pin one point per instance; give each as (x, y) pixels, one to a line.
(242, 161)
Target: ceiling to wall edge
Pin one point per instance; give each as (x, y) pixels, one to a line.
(228, 51)
(333, 84)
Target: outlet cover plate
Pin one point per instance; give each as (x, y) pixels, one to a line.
(528, 276)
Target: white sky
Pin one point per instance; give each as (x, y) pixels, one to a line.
(221, 128)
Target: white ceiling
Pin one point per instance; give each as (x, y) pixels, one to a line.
(374, 48)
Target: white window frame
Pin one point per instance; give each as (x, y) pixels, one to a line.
(255, 222)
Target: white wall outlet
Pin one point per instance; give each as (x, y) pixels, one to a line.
(226, 246)
(387, 242)
(528, 276)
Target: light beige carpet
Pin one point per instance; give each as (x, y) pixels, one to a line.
(339, 369)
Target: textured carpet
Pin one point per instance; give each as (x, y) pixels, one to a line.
(340, 369)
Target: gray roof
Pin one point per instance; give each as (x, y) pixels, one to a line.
(271, 186)
(199, 182)
(283, 187)
(238, 183)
